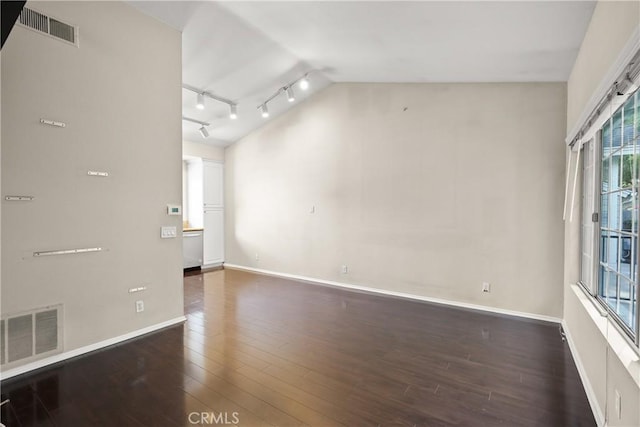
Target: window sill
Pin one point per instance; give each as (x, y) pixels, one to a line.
(626, 352)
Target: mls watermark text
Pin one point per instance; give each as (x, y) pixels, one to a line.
(214, 418)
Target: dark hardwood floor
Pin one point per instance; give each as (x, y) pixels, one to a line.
(260, 351)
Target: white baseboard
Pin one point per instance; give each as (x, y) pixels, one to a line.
(322, 282)
(210, 266)
(87, 349)
(598, 414)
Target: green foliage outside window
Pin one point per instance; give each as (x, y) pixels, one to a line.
(627, 169)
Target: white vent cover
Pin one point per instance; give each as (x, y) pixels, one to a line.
(31, 335)
(44, 24)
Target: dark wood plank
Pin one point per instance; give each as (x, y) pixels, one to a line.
(282, 353)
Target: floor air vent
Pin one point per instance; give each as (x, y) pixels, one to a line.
(44, 24)
(31, 335)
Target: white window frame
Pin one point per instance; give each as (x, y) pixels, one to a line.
(591, 182)
(589, 214)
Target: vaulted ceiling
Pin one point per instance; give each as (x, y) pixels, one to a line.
(246, 51)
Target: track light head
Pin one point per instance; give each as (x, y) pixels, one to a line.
(304, 83)
(264, 111)
(204, 132)
(200, 101)
(290, 95)
(233, 111)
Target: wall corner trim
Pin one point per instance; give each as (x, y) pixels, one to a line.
(617, 68)
(89, 348)
(370, 290)
(598, 414)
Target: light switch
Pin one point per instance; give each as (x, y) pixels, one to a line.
(168, 233)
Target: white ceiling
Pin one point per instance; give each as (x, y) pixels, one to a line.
(246, 51)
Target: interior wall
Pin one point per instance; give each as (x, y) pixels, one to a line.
(612, 25)
(425, 189)
(119, 94)
(202, 150)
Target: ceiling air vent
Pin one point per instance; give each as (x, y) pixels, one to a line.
(44, 24)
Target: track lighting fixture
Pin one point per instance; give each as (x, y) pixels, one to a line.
(203, 126)
(200, 101)
(304, 83)
(290, 96)
(264, 111)
(233, 110)
(288, 90)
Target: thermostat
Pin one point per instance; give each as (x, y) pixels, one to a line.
(174, 210)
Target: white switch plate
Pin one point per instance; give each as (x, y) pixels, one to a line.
(139, 306)
(344, 269)
(168, 232)
(486, 287)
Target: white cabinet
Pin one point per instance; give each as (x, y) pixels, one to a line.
(205, 200)
(213, 201)
(213, 237)
(191, 249)
(213, 173)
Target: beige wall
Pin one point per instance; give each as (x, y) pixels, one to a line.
(612, 25)
(120, 96)
(426, 189)
(202, 150)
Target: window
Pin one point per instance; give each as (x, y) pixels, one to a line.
(587, 227)
(610, 172)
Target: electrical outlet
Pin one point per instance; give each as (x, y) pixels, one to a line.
(257, 256)
(139, 306)
(618, 404)
(344, 269)
(486, 287)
